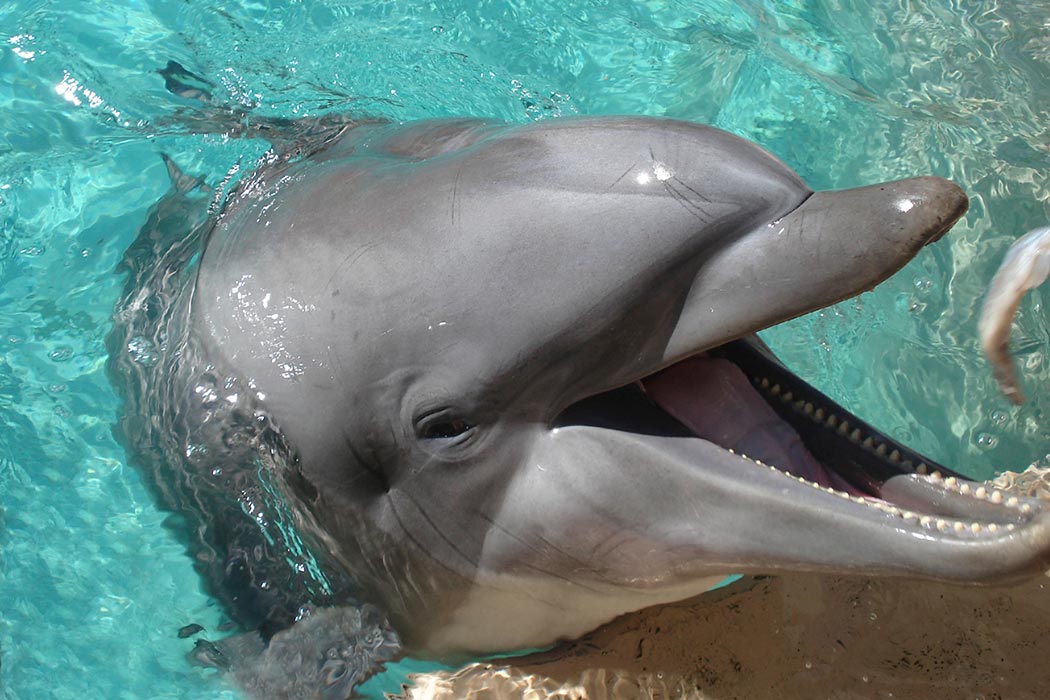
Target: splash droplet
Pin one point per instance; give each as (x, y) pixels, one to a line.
(142, 351)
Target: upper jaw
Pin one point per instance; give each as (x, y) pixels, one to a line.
(833, 246)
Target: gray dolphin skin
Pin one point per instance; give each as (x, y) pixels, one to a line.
(499, 383)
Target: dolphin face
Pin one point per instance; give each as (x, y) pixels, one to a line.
(516, 367)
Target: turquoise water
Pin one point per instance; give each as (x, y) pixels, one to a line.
(92, 588)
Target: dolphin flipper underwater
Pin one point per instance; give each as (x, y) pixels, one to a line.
(459, 387)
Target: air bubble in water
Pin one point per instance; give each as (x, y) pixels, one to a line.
(61, 354)
(987, 440)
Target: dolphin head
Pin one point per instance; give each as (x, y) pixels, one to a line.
(517, 369)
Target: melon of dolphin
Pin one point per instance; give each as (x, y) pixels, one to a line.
(511, 373)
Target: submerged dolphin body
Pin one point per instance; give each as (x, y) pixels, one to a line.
(499, 381)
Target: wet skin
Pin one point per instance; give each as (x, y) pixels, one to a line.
(515, 373)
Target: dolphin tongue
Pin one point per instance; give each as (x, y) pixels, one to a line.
(712, 397)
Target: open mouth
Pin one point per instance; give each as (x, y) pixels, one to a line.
(738, 397)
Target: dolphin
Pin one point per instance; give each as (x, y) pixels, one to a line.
(501, 383)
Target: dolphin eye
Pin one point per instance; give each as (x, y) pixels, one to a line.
(445, 429)
(442, 425)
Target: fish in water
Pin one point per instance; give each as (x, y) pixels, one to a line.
(492, 385)
(1024, 267)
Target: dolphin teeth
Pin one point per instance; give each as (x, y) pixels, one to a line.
(1010, 527)
(787, 396)
(975, 528)
(908, 515)
(922, 468)
(764, 383)
(965, 489)
(935, 476)
(981, 492)
(819, 414)
(993, 528)
(1026, 508)
(895, 456)
(996, 497)
(800, 404)
(868, 443)
(958, 527)
(808, 408)
(950, 482)
(925, 520)
(775, 391)
(1012, 502)
(942, 525)
(832, 421)
(881, 449)
(855, 435)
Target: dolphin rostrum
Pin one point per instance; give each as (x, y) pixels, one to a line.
(500, 382)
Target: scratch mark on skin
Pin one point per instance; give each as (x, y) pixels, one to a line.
(625, 173)
(608, 544)
(412, 538)
(447, 540)
(696, 192)
(531, 546)
(687, 204)
(455, 194)
(350, 258)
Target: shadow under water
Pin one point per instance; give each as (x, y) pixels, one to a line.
(797, 636)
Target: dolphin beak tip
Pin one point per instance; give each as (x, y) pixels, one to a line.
(945, 200)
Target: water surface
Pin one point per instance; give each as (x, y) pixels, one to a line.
(93, 589)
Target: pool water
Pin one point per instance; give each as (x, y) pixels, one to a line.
(93, 589)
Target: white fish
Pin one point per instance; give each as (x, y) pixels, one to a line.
(1025, 267)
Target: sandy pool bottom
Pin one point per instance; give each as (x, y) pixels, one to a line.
(801, 636)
